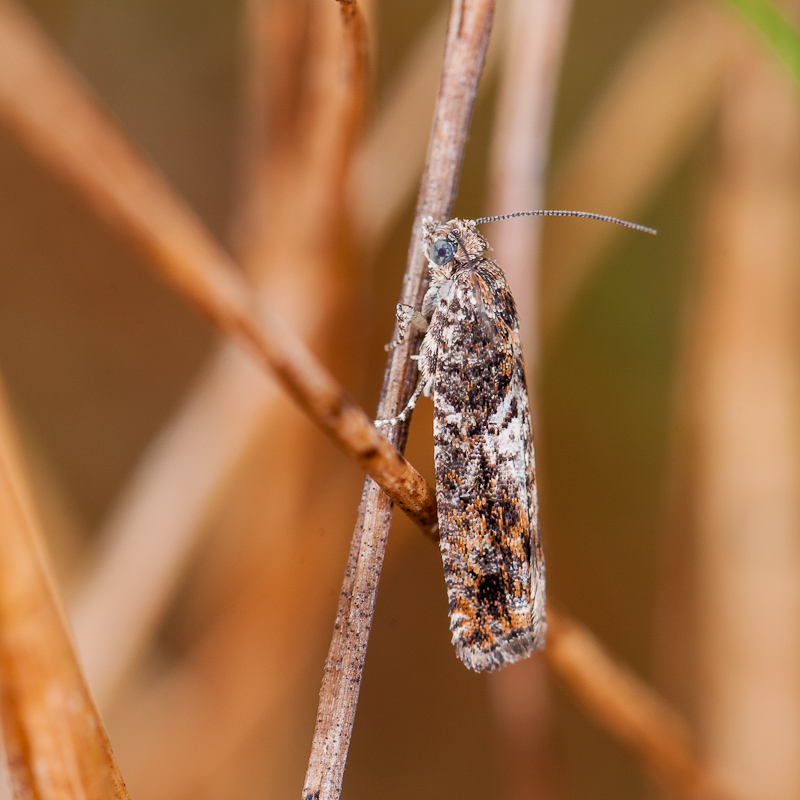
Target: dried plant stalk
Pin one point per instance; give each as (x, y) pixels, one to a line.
(746, 421)
(292, 176)
(55, 742)
(465, 51)
(534, 35)
(57, 118)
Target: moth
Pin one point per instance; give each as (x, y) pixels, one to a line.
(471, 361)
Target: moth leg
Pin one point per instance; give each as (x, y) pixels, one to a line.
(412, 401)
(407, 317)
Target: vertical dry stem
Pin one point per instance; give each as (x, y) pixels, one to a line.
(747, 429)
(304, 159)
(467, 39)
(534, 36)
(293, 173)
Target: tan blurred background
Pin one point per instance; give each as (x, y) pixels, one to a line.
(666, 389)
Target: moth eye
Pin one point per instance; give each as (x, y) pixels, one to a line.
(442, 251)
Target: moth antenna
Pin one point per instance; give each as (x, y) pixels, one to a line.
(584, 214)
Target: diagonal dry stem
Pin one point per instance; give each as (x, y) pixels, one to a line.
(56, 116)
(465, 51)
(290, 177)
(54, 740)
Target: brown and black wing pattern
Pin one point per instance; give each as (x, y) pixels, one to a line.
(485, 471)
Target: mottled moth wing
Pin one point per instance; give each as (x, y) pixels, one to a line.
(485, 470)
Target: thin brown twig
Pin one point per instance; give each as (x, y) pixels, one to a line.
(465, 51)
(355, 34)
(55, 116)
(55, 742)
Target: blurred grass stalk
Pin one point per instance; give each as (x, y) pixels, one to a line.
(747, 431)
(292, 212)
(653, 110)
(54, 741)
(292, 188)
(533, 36)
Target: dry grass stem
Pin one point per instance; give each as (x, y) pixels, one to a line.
(54, 740)
(626, 707)
(633, 140)
(533, 37)
(153, 528)
(534, 42)
(465, 50)
(746, 426)
(55, 116)
(253, 673)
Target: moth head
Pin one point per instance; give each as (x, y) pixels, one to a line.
(449, 245)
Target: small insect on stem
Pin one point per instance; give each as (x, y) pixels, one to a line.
(470, 359)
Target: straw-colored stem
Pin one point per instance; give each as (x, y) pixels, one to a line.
(534, 35)
(746, 425)
(54, 740)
